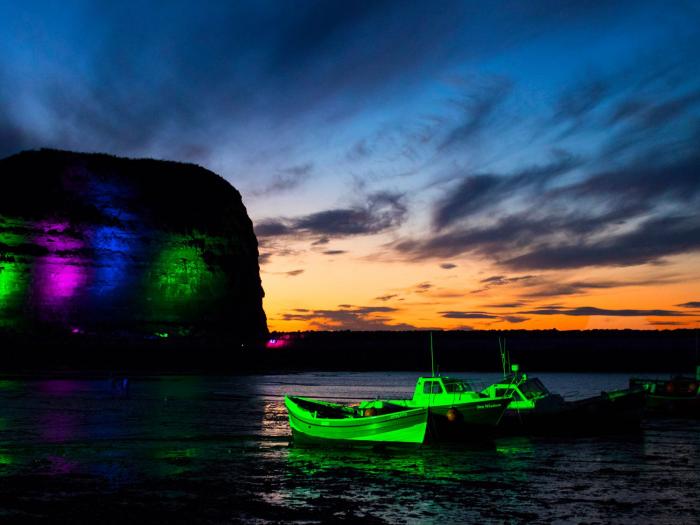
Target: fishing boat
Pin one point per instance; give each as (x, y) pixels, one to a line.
(371, 423)
(678, 396)
(533, 409)
(457, 412)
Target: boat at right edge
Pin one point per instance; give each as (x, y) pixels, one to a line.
(678, 396)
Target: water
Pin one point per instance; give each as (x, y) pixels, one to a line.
(216, 449)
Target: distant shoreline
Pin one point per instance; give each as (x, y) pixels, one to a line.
(658, 351)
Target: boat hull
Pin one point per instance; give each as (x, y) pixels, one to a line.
(404, 427)
(592, 416)
(677, 397)
(473, 421)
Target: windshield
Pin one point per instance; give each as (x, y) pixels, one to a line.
(533, 388)
(457, 386)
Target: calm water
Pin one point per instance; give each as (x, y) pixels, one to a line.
(216, 449)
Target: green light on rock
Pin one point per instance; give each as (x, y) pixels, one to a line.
(13, 279)
(181, 286)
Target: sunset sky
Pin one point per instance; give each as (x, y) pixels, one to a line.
(406, 164)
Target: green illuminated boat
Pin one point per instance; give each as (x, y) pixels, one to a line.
(533, 409)
(678, 396)
(370, 423)
(457, 411)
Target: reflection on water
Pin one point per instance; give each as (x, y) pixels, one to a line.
(224, 443)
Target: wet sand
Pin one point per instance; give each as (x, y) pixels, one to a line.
(203, 449)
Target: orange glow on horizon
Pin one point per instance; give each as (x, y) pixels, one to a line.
(358, 292)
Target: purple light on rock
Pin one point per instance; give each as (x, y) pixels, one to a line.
(63, 272)
(59, 278)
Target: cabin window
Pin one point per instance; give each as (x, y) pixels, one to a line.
(457, 387)
(432, 387)
(533, 388)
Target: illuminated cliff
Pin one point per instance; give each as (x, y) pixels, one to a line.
(96, 245)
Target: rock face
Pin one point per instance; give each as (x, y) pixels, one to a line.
(94, 244)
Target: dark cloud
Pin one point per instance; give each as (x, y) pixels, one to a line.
(383, 211)
(478, 192)
(452, 314)
(294, 273)
(593, 311)
(475, 109)
(582, 99)
(502, 280)
(385, 297)
(168, 80)
(515, 319)
(287, 179)
(505, 305)
(360, 150)
(321, 241)
(423, 287)
(691, 304)
(334, 252)
(549, 288)
(448, 266)
(637, 214)
(650, 242)
(349, 317)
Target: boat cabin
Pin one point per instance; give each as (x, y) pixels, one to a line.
(524, 392)
(442, 390)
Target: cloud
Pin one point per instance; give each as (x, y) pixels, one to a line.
(448, 266)
(502, 280)
(383, 211)
(637, 214)
(550, 288)
(385, 297)
(334, 252)
(653, 240)
(476, 193)
(691, 304)
(294, 273)
(505, 305)
(475, 108)
(287, 179)
(452, 314)
(349, 317)
(513, 319)
(593, 311)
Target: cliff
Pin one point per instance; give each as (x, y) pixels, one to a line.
(97, 246)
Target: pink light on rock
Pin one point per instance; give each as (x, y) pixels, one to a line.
(61, 273)
(59, 278)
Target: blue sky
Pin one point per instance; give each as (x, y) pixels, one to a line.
(508, 139)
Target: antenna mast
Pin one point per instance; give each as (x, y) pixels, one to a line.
(432, 357)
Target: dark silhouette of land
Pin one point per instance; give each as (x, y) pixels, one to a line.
(665, 351)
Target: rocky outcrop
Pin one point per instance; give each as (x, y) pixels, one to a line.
(92, 244)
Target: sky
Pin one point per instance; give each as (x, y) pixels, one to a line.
(407, 165)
